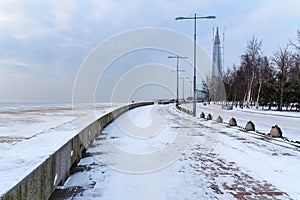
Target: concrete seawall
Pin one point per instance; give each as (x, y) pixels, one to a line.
(42, 181)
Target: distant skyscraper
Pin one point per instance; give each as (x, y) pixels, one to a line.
(217, 61)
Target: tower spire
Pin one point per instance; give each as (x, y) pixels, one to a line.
(217, 37)
(217, 62)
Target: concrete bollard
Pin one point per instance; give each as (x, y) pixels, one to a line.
(219, 119)
(209, 117)
(275, 132)
(202, 115)
(250, 126)
(232, 122)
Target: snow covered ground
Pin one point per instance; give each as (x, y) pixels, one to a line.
(205, 160)
(289, 122)
(29, 133)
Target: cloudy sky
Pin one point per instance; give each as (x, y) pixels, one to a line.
(44, 43)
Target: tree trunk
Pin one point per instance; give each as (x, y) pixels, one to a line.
(250, 88)
(245, 98)
(283, 59)
(281, 94)
(258, 94)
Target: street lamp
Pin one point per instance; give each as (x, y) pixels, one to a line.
(177, 70)
(191, 83)
(195, 17)
(183, 86)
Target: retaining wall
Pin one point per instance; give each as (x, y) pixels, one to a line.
(42, 181)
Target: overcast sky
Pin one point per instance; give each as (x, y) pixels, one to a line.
(43, 43)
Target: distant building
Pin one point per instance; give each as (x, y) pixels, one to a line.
(217, 61)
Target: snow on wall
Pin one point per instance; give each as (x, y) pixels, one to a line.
(43, 179)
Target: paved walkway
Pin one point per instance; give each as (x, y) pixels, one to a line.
(182, 158)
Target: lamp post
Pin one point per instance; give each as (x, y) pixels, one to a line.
(191, 82)
(177, 70)
(183, 86)
(195, 17)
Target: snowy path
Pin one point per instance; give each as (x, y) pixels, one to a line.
(289, 122)
(217, 163)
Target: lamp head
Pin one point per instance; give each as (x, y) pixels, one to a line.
(211, 17)
(179, 18)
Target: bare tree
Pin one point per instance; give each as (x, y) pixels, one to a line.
(275, 83)
(236, 83)
(263, 73)
(253, 53)
(283, 59)
(269, 85)
(297, 46)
